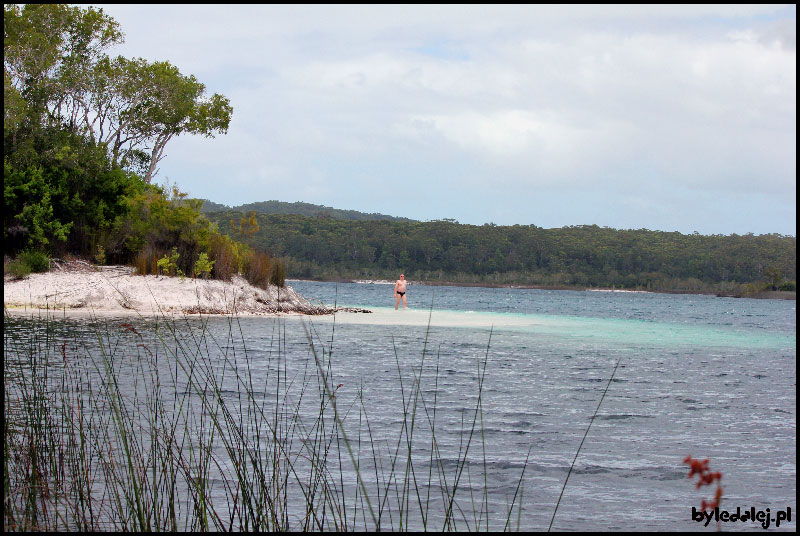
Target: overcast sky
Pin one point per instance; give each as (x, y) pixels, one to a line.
(673, 118)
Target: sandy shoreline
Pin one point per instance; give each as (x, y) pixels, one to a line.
(80, 287)
(76, 287)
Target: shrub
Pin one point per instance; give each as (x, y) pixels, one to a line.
(223, 255)
(36, 261)
(160, 221)
(169, 265)
(100, 257)
(203, 266)
(278, 274)
(16, 269)
(146, 261)
(258, 269)
(28, 262)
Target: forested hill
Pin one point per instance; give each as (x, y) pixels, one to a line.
(303, 209)
(576, 257)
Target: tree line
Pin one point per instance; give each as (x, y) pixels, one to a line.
(83, 133)
(298, 207)
(578, 256)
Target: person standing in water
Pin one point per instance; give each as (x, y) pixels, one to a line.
(400, 291)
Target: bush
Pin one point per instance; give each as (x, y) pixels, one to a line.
(16, 269)
(203, 266)
(224, 257)
(35, 260)
(100, 256)
(146, 261)
(278, 274)
(28, 262)
(169, 265)
(258, 269)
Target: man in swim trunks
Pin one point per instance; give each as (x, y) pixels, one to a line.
(400, 291)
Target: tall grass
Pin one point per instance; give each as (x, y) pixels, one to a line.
(176, 427)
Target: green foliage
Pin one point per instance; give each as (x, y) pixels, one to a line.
(49, 53)
(149, 104)
(159, 222)
(303, 209)
(37, 261)
(29, 261)
(100, 256)
(582, 256)
(16, 269)
(203, 266)
(29, 215)
(60, 192)
(58, 75)
(247, 227)
(15, 108)
(168, 264)
(79, 124)
(774, 275)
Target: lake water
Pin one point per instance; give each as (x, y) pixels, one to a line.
(696, 375)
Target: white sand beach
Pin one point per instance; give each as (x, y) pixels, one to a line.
(77, 286)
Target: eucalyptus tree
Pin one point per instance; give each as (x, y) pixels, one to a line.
(49, 53)
(138, 107)
(58, 75)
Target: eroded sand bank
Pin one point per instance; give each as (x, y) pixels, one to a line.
(80, 287)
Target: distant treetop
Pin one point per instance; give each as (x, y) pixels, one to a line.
(300, 208)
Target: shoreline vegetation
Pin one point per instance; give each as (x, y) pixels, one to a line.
(164, 428)
(84, 133)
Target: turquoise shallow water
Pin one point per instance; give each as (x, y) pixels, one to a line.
(606, 330)
(698, 375)
(623, 318)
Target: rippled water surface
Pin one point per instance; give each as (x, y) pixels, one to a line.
(697, 375)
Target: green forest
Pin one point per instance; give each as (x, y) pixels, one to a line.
(571, 257)
(83, 134)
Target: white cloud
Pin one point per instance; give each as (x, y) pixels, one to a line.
(702, 97)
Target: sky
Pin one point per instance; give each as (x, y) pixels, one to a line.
(670, 118)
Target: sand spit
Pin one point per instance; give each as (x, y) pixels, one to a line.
(79, 286)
